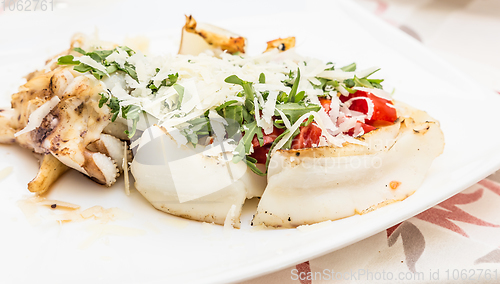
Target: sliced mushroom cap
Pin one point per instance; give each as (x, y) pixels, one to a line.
(282, 44)
(199, 37)
(111, 147)
(50, 170)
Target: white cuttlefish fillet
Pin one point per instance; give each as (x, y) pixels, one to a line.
(312, 185)
(199, 183)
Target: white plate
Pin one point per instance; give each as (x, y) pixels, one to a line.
(151, 246)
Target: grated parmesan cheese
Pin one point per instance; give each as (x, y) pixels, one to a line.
(125, 169)
(292, 129)
(37, 116)
(202, 79)
(369, 102)
(92, 63)
(377, 92)
(268, 112)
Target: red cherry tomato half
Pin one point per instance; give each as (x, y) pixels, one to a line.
(308, 136)
(366, 128)
(260, 153)
(268, 138)
(325, 103)
(382, 112)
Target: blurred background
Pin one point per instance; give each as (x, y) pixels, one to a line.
(466, 33)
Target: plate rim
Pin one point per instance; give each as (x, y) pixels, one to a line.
(260, 268)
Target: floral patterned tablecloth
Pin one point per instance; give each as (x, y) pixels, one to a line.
(458, 240)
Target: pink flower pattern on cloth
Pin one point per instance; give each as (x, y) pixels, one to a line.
(458, 240)
(444, 243)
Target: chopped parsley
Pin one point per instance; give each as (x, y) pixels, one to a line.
(130, 112)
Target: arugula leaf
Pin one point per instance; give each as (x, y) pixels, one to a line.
(180, 91)
(127, 49)
(130, 70)
(262, 78)
(300, 96)
(239, 152)
(112, 68)
(67, 60)
(247, 116)
(322, 84)
(250, 161)
(247, 86)
(172, 79)
(371, 73)
(330, 85)
(362, 82)
(114, 117)
(334, 83)
(289, 82)
(349, 83)
(114, 104)
(152, 87)
(233, 79)
(224, 105)
(295, 86)
(349, 68)
(104, 99)
(100, 57)
(234, 117)
(169, 82)
(351, 91)
(331, 68)
(249, 110)
(265, 94)
(197, 127)
(131, 112)
(376, 83)
(288, 144)
(279, 123)
(81, 67)
(95, 56)
(282, 97)
(295, 110)
(79, 50)
(134, 129)
(233, 112)
(98, 74)
(308, 121)
(243, 148)
(103, 53)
